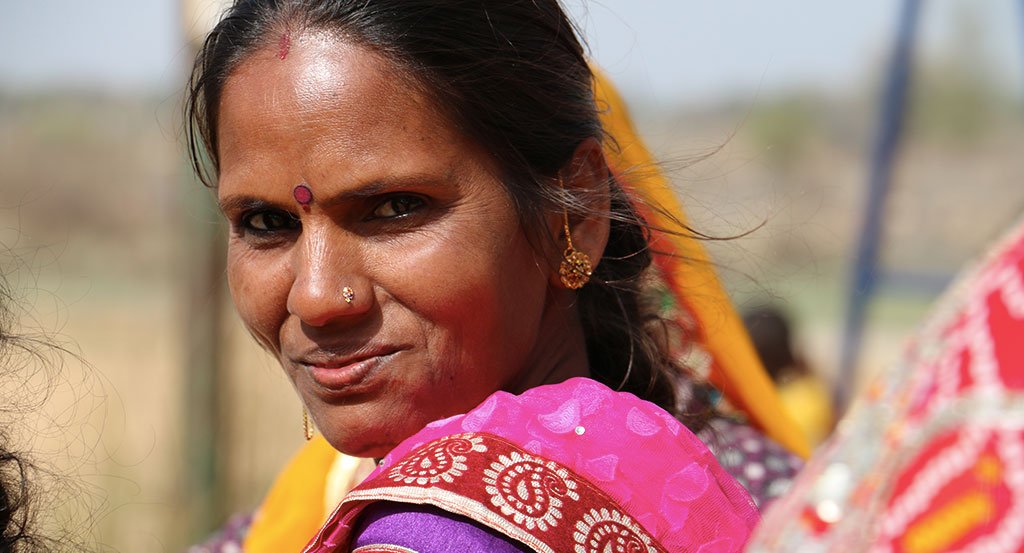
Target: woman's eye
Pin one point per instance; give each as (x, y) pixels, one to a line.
(397, 206)
(269, 221)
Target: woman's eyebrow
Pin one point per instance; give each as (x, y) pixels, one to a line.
(368, 190)
(378, 187)
(242, 202)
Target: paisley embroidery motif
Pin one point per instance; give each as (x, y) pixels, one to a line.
(444, 459)
(530, 490)
(609, 531)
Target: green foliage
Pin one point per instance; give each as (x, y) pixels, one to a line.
(958, 97)
(783, 129)
(952, 105)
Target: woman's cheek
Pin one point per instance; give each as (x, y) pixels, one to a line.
(260, 294)
(429, 270)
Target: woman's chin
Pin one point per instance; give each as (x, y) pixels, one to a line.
(373, 443)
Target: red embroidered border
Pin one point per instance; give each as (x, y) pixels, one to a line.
(531, 499)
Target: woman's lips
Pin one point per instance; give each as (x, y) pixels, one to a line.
(345, 375)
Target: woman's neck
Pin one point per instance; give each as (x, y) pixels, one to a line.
(561, 352)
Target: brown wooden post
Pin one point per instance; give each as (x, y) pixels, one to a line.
(204, 425)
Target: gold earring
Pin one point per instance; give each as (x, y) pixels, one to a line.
(348, 294)
(307, 427)
(575, 269)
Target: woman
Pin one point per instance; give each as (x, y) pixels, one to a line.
(424, 225)
(803, 393)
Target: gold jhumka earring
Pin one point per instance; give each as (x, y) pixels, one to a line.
(307, 426)
(575, 269)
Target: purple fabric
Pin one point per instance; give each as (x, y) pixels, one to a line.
(428, 529)
(762, 466)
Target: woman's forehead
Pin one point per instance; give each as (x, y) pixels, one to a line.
(333, 111)
(320, 75)
(325, 96)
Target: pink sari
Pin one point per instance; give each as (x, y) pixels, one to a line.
(567, 467)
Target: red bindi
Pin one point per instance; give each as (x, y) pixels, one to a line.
(303, 194)
(284, 45)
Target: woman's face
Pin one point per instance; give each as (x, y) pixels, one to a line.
(451, 302)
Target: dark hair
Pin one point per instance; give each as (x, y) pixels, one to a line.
(17, 512)
(16, 515)
(42, 508)
(513, 76)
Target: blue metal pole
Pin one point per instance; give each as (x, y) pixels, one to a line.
(864, 272)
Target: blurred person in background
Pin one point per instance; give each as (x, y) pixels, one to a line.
(433, 234)
(803, 392)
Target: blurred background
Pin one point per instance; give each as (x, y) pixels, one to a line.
(163, 415)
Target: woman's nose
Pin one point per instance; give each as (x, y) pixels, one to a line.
(328, 284)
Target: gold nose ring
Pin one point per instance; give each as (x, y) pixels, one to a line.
(348, 294)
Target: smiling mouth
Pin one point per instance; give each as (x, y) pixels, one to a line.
(334, 376)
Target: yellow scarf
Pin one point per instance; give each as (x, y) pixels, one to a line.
(314, 481)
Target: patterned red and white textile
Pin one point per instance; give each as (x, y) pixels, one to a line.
(571, 467)
(932, 458)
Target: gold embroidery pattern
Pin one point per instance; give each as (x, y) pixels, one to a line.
(444, 459)
(530, 490)
(603, 530)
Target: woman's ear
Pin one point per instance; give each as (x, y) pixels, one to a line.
(586, 179)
